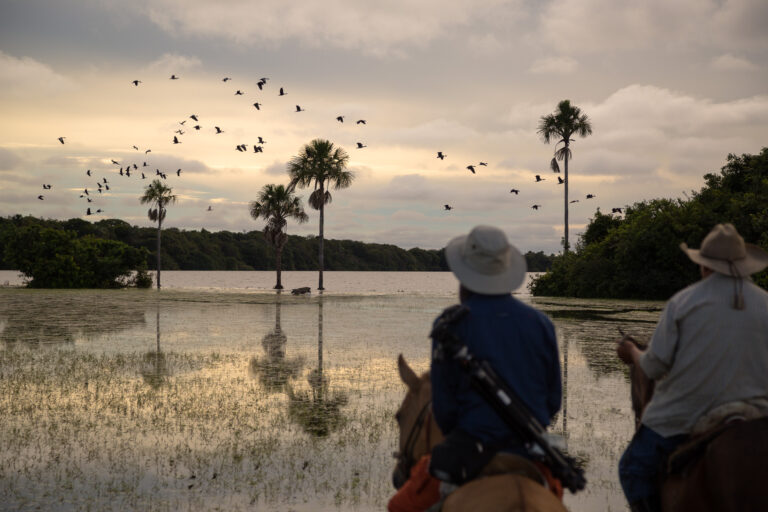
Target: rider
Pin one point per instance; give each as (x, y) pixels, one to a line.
(709, 348)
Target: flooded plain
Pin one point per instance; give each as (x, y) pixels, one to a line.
(211, 396)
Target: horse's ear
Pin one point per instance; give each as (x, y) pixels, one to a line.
(407, 374)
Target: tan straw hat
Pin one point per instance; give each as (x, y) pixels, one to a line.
(724, 251)
(485, 262)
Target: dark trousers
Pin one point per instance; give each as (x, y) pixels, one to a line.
(642, 465)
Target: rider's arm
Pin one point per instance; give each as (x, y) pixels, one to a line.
(445, 409)
(658, 359)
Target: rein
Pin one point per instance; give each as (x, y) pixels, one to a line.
(405, 459)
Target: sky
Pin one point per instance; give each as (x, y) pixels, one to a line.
(670, 88)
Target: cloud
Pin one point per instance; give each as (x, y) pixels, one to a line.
(27, 77)
(171, 63)
(8, 160)
(554, 65)
(730, 62)
(276, 168)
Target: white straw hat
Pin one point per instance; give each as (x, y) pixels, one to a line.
(485, 262)
(724, 251)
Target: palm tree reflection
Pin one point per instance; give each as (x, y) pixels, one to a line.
(274, 371)
(317, 411)
(154, 370)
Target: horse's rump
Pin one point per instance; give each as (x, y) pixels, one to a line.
(503, 493)
(730, 474)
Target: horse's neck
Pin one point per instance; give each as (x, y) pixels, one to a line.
(434, 434)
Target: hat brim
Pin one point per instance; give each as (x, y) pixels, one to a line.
(755, 261)
(496, 284)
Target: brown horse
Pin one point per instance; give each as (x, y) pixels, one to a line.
(723, 469)
(508, 492)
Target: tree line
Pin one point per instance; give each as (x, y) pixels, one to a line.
(638, 256)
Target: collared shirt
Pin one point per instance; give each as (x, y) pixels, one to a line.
(519, 343)
(705, 353)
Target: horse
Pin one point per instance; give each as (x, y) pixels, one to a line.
(722, 469)
(419, 433)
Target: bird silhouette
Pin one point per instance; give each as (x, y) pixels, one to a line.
(560, 180)
(575, 201)
(61, 139)
(225, 79)
(238, 93)
(485, 164)
(360, 145)
(282, 92)
(262, 141)
(448, 207)
(88, 212)
(135, 167)
(471, 168)
(176, 140)
(361, 121)
(299, 109)
(99, 211)
(258, 149)
(257, 105)
(174, 77)
(197, 127)
(193, 117)
(46, 187)
(88, 172)
(178, 172)
(539, 178)
(209, 208)
(128, 171)
(135, 147)
(218, 130)
(440, 155)
(40, 197)
(121, 171)
(85, 191)
(240, 147)
(536, 206)
(180, 132)
(260, 85)
(105, 180)
(136, 82)
(145, 164)
(514, 191)
(591, 196)
(143, 177)
(615, 210)
(106, 187)
(182, 122)
(115, 162)
(148, 151)
(340, 119)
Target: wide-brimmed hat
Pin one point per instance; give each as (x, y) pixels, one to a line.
(485, 262)
(724, 251)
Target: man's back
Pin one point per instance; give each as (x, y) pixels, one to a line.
(705, 353)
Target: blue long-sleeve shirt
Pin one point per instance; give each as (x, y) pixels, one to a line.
(519, 343)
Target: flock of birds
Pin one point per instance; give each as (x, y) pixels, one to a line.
(144, 168)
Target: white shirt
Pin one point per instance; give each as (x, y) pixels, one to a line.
(705, 353)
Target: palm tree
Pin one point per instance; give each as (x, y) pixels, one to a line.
(566, 121)
(320, 164)
(158, 195)
(277, 204)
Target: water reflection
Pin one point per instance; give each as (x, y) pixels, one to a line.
(61, 317)
(274, 370)
(317, 411)
(154, 369)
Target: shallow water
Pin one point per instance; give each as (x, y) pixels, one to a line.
(219, 395)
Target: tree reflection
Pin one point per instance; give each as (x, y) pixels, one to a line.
(154, 369)
(274, 370)
(317, 411)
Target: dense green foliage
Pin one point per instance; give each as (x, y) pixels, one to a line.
(638, 256)
(224, 250)
(57, 258)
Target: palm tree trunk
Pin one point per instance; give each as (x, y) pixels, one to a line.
(279, 265)
(320, 255)
(565, 225)
(159, 230)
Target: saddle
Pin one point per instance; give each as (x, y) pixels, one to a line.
(507, 463)
(710, 426)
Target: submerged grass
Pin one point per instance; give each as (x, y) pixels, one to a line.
(83, 431)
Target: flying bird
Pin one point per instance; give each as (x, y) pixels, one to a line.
(197, 127)
(257, 105)
(485, 164)
(282, 92)
(560, 180)
(136, 82)
(85, 191)
(143, 177)
(88, 212)
(147, 151)
(440, 155)
(340, 119)
(361, 121)
(514, 191)
(590, 196)
(539, 178)
(174, 77)
(360, 145)
(536, 206)
(299, 109)
(136, 148)
(88, 172)
(182, 122)
(176, 140)
(46, 187)
(40, 197)
(114, 162)
(226, 78)
(448, 207)
(615, 210)
(262, 141)
(209, 208)
(258, 149)
(218, 130)
(471, 168)
(238, 93)
(178, 172)
(193, 117)
(105, 180)
(180, 132)
(61, 139)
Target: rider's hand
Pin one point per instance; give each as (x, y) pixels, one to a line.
(628, 351)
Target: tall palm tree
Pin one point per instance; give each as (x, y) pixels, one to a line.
(159, 195)
(320, 164)
(276, 204)
(567, 120)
